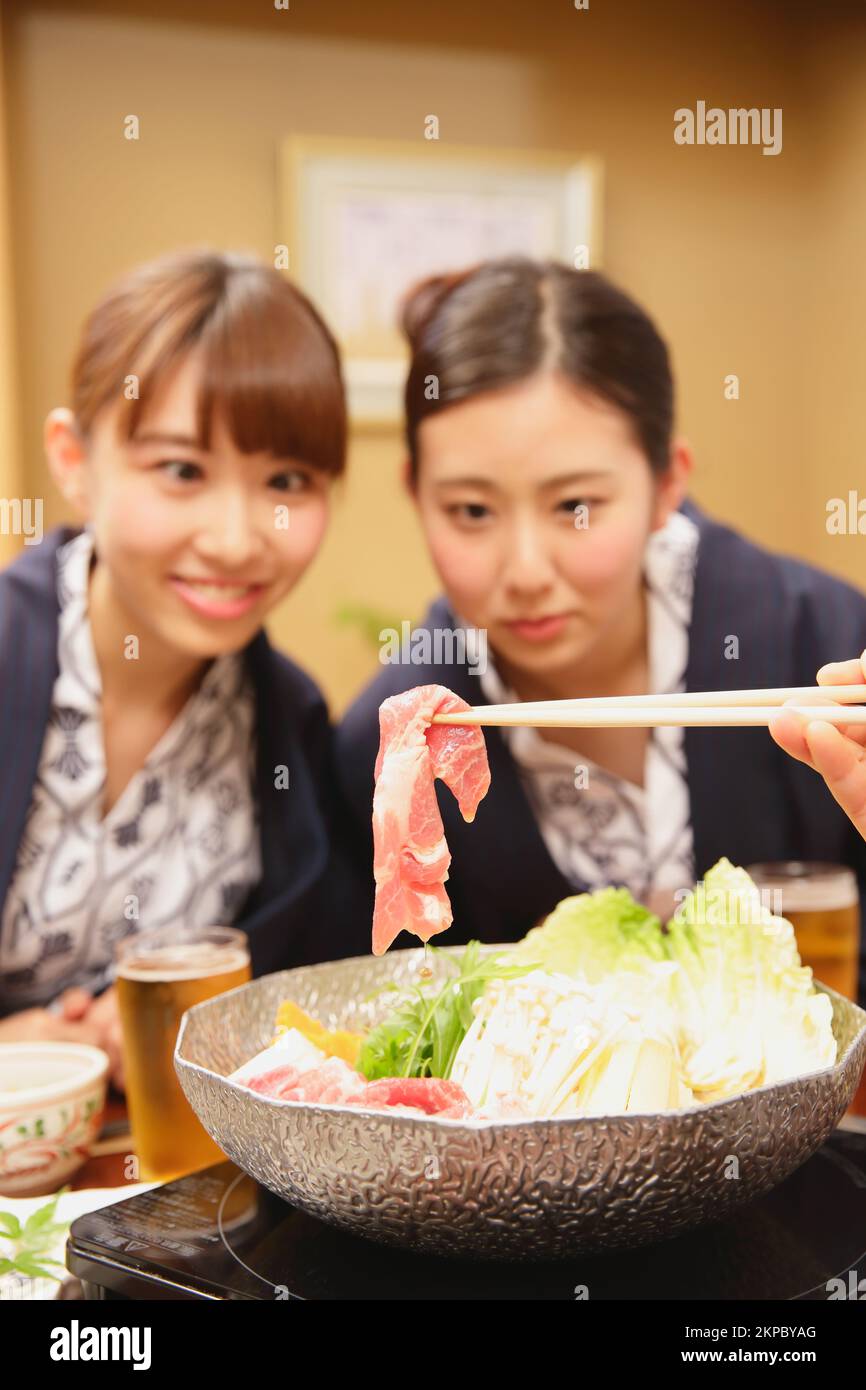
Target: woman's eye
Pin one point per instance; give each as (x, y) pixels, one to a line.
(183, 470)
(290, 480)
(469, 511)
(574, 507)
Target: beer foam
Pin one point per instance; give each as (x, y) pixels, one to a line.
(817, 892)
(184, 961)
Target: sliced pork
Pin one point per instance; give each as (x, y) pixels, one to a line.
(332, 1083)
(336, 1083)
(411, 857)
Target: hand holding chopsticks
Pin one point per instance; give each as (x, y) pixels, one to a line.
(838, 756)
(692, 709)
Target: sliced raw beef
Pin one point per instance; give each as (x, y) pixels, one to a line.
(335, 1083)
(411, 857)
(430, 1094)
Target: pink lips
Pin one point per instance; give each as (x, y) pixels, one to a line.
(203, 596)
(539, 629)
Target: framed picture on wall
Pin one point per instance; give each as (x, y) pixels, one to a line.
(364, 220)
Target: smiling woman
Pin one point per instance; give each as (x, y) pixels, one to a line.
(551, 491)
(164, 766)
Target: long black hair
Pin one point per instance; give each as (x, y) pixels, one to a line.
(504, 320)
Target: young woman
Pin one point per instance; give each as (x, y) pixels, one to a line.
(551, 493)
(161, 762)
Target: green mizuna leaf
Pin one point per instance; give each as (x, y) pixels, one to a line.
(422, 1035)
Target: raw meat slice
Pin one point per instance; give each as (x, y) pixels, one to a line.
(430, 1094)
(271, 1083)
(411, 857)
(335, 1083)
(332, 1083)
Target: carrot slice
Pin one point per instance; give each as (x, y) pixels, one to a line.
(333, 1042)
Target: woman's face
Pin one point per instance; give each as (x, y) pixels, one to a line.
(198, 546)
(537, 503)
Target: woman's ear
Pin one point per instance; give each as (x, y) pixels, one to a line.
(673, 485)
(67, 459)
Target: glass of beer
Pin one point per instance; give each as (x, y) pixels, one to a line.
(161, 974)
(822, 904)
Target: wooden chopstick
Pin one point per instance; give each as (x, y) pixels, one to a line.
(707, 716)
(687, 709)
(771, 695)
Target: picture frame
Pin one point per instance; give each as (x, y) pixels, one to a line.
(363, 220)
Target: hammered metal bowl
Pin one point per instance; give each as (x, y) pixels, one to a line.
(509, 1190)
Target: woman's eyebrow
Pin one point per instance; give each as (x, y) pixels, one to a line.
(158, 437)
(467, 481)
(585, 475)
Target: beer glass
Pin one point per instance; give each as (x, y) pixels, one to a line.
(160, 974)
(821, 903)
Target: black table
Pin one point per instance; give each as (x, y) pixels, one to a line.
(217, 1234)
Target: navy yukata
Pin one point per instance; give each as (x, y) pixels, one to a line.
(301, 910)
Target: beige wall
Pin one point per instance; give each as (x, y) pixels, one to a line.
(11, 484)
(747, 267)
(832, 227)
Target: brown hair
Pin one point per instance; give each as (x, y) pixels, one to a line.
(269, 361)
(504, 320)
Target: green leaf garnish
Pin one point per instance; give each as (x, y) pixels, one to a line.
(32, 1241)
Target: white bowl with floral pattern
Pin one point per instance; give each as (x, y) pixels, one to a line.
(52, 1098)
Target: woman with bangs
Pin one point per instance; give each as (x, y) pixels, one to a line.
(155, 748)
(551, 492)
